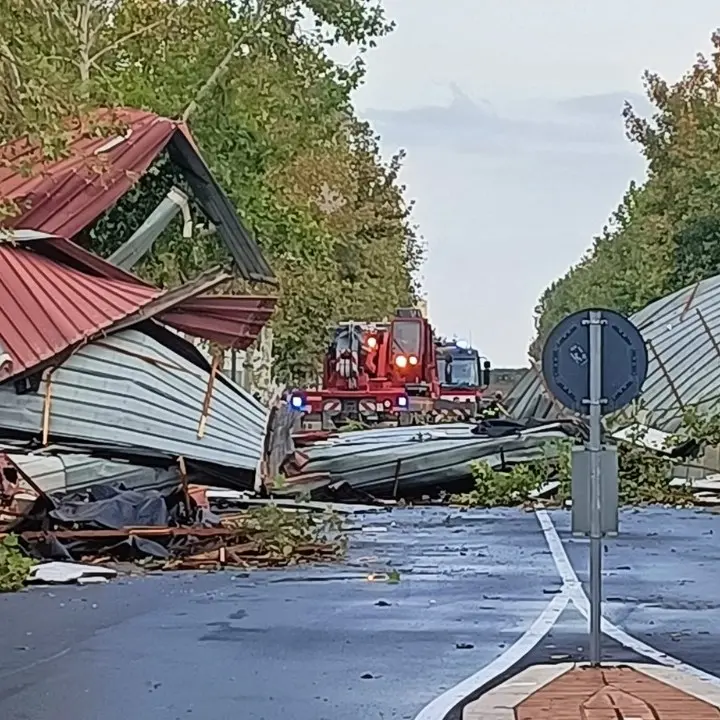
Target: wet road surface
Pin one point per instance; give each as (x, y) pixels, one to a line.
(661, 580)
(324, 643)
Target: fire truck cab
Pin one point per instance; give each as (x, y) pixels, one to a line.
(464, 378)
(375, 372)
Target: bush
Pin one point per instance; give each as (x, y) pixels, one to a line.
(14, 565)
(643, 478)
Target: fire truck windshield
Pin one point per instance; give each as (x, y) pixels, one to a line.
(406, 337)
(461, 371)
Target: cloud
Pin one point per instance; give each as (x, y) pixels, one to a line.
(608, 105)
(589, 124)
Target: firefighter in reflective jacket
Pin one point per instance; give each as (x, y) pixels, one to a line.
(493, 410)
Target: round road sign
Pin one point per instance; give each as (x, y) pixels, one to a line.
(566, 361)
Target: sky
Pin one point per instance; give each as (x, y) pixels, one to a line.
(510, 112)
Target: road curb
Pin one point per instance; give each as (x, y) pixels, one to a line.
(539, 690)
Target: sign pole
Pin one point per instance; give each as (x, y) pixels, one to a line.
(594, 362)
(594, 447)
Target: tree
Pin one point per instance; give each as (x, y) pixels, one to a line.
(665, 233)
(273, 115)
(697, 251)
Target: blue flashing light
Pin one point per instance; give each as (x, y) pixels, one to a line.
(296, 402)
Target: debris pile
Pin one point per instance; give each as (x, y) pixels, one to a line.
(109, 412)
(411, 462)
(106, 525)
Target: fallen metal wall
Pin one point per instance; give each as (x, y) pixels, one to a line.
(130, 391)
(410, 461)
(67, 473)
(682, 332)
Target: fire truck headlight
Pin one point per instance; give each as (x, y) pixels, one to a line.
(372, 342)
(413, 360)
(296, 402)
(401, 361)
(402, 401)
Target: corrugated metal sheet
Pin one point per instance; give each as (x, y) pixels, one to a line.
(530, 399)
(46, 308)
(130, 391)
(69, 473)
(232, 320)
(66, 196)
(412, 461)
(682, 331)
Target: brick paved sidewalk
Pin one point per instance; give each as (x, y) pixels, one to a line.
(569, 692)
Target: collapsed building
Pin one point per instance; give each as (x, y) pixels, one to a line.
(98, 371)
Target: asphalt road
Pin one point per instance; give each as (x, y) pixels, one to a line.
(661, 580)
(328, 642)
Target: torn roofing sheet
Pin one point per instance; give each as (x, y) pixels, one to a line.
(130, 392)
(47, 307)
(232, 320)
(414, 461)
(68, 195)
(682, 332)
(67, 472)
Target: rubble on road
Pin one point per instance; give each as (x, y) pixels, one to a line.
(73, 534)
(51, 573)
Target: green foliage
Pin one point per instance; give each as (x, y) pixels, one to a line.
(272, 114)
(14, 565)
(664, 235)
(499, 489)
(514, 486)
(643, 478)
(697, 251)
(701, 428)
(291, 537)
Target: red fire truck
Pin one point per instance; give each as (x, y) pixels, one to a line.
(375, 372)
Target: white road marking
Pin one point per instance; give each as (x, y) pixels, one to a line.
(572, 593)
(573, 587)
(438, 708)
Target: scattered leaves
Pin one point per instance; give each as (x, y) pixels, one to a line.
(284, 537)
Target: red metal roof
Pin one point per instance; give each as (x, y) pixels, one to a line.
(232, 320)
(66, 196)
(46, 308)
